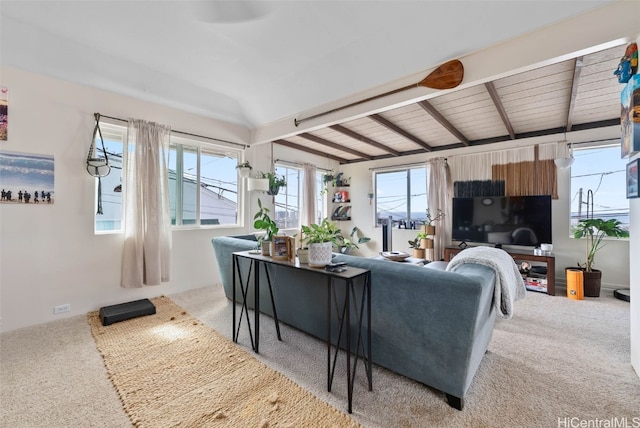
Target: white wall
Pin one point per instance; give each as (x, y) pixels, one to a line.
(49, 254)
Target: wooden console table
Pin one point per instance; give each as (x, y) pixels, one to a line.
(449, 252)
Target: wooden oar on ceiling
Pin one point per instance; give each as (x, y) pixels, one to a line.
(447, 76)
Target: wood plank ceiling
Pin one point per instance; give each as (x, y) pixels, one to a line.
(580, 93)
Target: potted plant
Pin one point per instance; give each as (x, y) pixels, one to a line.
(320, 239)
(326, 179)
(244, 169)
(428, 225)
(416, 245)
(345, 245)
(275, 182)
(594, 230)
(262, 221)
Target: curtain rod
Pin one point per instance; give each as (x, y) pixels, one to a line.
(404, 165)
(244, 146)
(292, 163)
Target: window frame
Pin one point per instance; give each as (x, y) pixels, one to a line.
(112, 127)
(407, 169)
(573, 193)
(207, 147)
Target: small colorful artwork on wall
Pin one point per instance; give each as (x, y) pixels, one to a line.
(26, 178)
(4, 112)
(630, 116)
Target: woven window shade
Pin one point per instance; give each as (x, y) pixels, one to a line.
(528, 178)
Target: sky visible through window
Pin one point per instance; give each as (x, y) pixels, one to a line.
(602, 171)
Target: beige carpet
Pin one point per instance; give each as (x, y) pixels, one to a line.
(557, 362)
(170, 369)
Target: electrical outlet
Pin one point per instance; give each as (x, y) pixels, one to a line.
(61, 308)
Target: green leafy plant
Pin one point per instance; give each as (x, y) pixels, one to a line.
(593, 230)
(430, 220)
(345, 244)
(262, 221)
(415, 243)
(275, 182)
(326, 231)
(274, 179)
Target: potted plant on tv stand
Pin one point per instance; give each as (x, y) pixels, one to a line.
(594, 230)
(262, 221)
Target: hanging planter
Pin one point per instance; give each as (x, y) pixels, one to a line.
(275, 182)
(244, 169)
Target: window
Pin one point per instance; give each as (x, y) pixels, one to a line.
(321, 201)
(401, 194)
(114, 140)
(598, 184)
(203, 182)
(288, 201)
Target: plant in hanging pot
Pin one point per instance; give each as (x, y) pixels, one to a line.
(593, 230)
(244, 169)
(275, 182)
(262, 221)
(320, 238)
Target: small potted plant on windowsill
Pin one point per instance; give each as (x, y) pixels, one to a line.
(263, 221)
(244, 169)
(275, 182)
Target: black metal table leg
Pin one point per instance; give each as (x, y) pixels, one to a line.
(256, 296)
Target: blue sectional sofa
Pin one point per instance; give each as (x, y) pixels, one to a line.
(430, 325)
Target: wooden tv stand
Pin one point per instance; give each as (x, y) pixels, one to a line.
(449, 252)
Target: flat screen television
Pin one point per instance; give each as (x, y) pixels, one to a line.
(508, 220)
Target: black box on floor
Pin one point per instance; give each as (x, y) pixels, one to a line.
(125, 311)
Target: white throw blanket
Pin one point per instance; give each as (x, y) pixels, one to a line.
(509, 285)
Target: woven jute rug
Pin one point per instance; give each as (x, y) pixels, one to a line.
(171, 370)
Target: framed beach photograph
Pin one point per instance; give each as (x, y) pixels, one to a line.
(4, 113)
(26, 178)
(632, 179)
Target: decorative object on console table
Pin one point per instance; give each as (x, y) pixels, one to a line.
(280, 247)
(262, 221)
(320, 238)
(593, 230)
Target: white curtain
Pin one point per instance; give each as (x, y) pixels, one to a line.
(439, 198)
(309, 189)
(147, 221)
